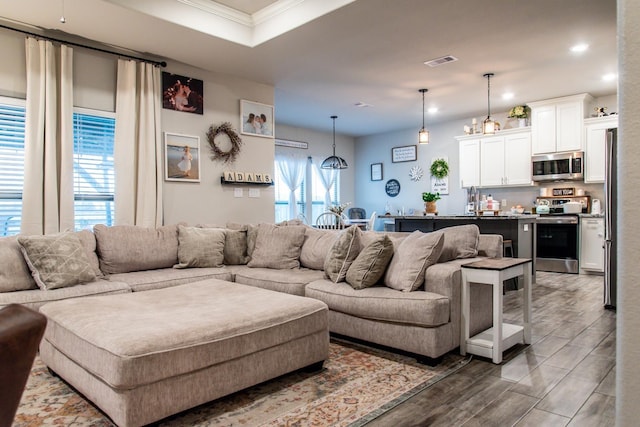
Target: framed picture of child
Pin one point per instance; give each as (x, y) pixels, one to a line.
(256, 119)
(181, 157)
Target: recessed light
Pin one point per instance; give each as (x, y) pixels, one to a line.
(579, 48)
(507, 95)
(609, 77)
(432, 110)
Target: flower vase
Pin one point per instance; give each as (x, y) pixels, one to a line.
(430, 207)
(522, 123)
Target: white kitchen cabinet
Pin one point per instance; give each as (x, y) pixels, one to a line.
(505, 159)
(469, 160)
(595, 130)
(592, 244)
(557, 124)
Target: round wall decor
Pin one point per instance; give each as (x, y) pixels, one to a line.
(416, 173)
(228, 156)
(392, 188)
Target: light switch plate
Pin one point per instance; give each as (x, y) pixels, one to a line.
(237, 192)
(254, 192)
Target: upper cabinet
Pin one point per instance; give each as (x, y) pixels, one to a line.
(557, 124)
(499, 160)
(595, 130)
(469, 161)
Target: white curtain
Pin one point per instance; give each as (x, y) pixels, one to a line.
(328, 179)
(292, 170)
(138, 145)
(47, 197)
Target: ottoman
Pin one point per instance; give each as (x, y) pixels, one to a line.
(143, 356)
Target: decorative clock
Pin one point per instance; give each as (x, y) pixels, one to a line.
(416, 173)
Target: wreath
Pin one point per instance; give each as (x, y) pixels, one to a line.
(439, 168)
(228, 156)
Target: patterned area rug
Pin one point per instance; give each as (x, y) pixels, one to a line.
(357, 384)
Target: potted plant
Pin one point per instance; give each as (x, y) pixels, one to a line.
(520, 112)
(430, 202)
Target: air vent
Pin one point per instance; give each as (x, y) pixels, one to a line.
(440, 61)
(362, 104)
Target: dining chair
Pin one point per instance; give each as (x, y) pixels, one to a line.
(357, 213)
(372, 221)
(329, 220)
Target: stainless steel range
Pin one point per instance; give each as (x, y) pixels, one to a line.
(557, 234)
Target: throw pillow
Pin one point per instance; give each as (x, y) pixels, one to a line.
(14, 274)
(277, 246)
(125, 248)
(235, 244)
(56, 260)
(411, 258)
(370, 264)
(316, 246)
(200, 247)
(460, 241)
(342, 253)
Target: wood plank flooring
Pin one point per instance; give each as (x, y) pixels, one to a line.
(566, 377)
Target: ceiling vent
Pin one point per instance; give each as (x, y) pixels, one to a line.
(440, 61)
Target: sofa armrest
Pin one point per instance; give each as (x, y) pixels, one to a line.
(490, 245)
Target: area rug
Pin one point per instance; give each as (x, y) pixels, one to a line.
(357, 384)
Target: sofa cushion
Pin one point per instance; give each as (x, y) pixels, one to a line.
(411, 258)
(167, 277)
(460, 241)
(277, 247)
(235, 244)
(370, 264)
(200, 247)
(56, 260)
(382, 303)
(342, 253)
(290, 281)
(317, 244)
(124, 248)
(14, 274)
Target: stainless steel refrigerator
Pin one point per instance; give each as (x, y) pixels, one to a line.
(610, 240)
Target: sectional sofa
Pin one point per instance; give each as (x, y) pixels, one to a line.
(400, 290)
(419, 313)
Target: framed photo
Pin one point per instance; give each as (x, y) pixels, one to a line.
(181, 157)
(182, 93)
(256, 119)
(376, 171)
(408, 153)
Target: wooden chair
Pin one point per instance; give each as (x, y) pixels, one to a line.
(21, 330)
(330, 221)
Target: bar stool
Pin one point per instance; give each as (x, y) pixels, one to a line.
(507, 252)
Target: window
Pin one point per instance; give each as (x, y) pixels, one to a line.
(12, 116)
(93, 171)
(309, 196)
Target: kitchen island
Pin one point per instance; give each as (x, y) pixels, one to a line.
(520, 229)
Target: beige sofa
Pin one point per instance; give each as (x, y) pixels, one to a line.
(425, 321)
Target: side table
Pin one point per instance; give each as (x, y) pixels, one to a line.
(492, 342)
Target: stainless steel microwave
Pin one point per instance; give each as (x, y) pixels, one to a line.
(558, 166)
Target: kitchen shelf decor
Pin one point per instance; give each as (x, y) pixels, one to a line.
(217, 153)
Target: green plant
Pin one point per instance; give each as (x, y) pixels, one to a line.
(430, 197)
(439, 168)
(519, 112)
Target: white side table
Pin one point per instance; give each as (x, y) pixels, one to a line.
(492, 342)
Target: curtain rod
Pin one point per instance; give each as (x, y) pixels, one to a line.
(156, 63)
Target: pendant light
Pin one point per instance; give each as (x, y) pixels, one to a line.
(334, 162)
(423, 134)
(488, 126)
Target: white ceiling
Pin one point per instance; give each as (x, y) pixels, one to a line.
(336, 53)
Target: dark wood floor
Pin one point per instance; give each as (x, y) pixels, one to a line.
(566, 377)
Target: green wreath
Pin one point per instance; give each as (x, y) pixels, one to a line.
(228, 156)
(439, 168)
